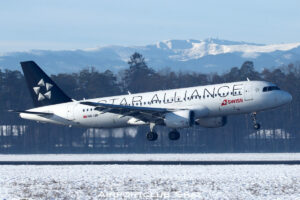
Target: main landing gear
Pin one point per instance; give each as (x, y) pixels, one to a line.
(174, 135)
(152, 135)
(256, 125)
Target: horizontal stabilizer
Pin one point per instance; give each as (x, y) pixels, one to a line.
(31, 112)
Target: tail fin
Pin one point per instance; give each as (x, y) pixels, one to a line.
(43, 90)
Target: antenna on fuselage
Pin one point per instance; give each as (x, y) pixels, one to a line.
(129, 92)
(248, 79)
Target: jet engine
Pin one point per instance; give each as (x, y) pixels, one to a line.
(180, 119)
(212, 122)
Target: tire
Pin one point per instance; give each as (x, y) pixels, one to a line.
(152, 136)
(174, 135)
(256, 126)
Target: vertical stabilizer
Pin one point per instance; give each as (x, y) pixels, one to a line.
(43, 90)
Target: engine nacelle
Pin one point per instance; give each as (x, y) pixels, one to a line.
(212, 122)
(179, 119)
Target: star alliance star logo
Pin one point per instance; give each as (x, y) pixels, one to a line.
(38, 90)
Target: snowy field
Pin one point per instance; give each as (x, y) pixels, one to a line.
(150, 182)
(154, 157)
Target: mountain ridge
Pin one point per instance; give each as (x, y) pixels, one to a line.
(208, 55)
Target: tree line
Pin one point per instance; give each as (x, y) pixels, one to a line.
(279, 133)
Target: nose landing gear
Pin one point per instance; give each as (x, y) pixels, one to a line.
(256, 125)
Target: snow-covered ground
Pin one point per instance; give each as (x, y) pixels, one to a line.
(154, 157)
(150, 182)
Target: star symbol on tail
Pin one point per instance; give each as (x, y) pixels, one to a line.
(46, 87)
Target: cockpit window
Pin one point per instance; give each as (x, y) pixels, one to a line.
(270, 88)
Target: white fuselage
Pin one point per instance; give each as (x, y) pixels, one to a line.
(209, 101)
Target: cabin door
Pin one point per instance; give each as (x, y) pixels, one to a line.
(248, 92)
(70, 112)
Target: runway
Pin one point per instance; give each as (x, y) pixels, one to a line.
(151, 159)
(160, 162)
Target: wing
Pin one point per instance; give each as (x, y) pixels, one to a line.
(145, 114)
(32, 112)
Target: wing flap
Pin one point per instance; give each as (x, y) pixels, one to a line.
(145, 114)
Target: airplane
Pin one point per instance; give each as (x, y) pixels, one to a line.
(206, 106)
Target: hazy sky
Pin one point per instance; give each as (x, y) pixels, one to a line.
(73, 24)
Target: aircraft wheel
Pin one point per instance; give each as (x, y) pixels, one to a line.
(152, 136)
(257, 126)
(174, 135)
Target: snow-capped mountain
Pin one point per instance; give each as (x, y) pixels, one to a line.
(210, 55)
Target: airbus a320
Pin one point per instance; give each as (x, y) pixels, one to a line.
(205, 106)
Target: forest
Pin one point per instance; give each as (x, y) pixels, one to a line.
(279, 132)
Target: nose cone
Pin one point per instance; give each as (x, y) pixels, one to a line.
(286, 98)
